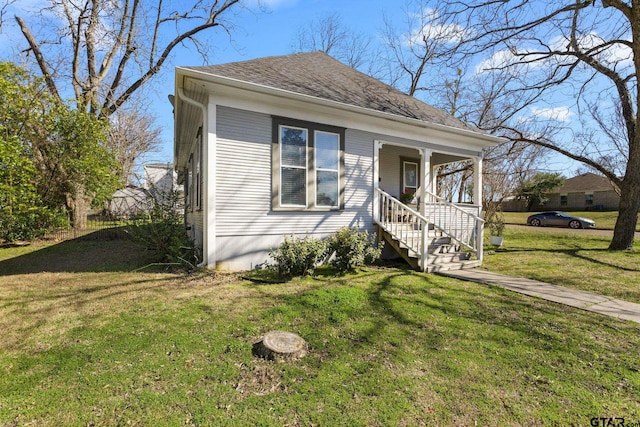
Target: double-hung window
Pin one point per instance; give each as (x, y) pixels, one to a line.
(327, 170)
(307, 166)
(293, 166)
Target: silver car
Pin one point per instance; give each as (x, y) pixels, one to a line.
(559, 219)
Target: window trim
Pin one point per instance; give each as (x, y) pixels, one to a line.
(188, 182)
(311, 170)
(404, 160)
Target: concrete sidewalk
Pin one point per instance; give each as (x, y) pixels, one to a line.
(571, 297)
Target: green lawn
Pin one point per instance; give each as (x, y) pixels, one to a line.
(90, 343)
(573, 258)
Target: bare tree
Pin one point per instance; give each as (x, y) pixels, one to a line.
(104, 51)
(4, 7)
(330, 35)
(415, 51)
(132, 133)
(107, 49)
(570, 57)
(420, 57)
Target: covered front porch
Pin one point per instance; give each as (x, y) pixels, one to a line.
(428, 231)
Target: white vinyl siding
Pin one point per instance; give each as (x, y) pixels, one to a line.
(244, 186)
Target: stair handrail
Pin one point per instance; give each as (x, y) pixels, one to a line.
(472, 241)
(404, 224)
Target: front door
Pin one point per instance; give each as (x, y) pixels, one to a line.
(410, 176)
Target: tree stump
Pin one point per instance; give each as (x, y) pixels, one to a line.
(280, 346)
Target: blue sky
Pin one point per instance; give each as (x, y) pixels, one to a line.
(257, 32)
(274, 32)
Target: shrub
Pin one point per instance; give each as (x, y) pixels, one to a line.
(29, 222)
(298, 257)
(162, 231)
(352, 248)
(23, 214)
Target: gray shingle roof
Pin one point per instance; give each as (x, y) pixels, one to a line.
(319, 75)
(585, 182)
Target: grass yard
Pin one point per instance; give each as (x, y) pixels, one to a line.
(88, 342)
(572, 258)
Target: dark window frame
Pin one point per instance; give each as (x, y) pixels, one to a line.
(311, 127)
(197, 173)
(588, 199)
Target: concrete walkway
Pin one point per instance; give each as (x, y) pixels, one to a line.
(571, 297)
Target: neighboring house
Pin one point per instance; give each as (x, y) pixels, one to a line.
(160, 180)
(129, 202)
(160, 177)
(584, 192)
(302, 144)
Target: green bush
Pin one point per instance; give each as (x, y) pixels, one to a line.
(29, 222)
(23, 215)
(298, 257)
(162, 231)
(352, 248)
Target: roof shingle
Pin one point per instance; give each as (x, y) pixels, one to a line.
(319, 75)
(585, 182)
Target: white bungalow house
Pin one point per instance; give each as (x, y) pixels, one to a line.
(303, 144)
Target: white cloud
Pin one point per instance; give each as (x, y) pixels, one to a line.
(507, 58)
(616, 54)
(560, 114)
(436, 31)
(271, 4)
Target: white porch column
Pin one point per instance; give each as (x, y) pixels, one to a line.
(209, 131)
(477, 182)
(377, 145)
(477, 200)
(427, 180)
(434, 182)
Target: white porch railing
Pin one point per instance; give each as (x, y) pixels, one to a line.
(461, 225)
(411, 228)
(404, 224)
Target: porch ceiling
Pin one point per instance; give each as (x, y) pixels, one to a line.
(443, 159)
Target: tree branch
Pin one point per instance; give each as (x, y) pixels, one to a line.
(35, 48)
(153, 70)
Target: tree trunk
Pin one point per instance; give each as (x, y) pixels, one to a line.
(78, 205)
(625, 228)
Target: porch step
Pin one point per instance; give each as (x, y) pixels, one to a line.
(461, 265)
(408, 255)
(443, 254)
